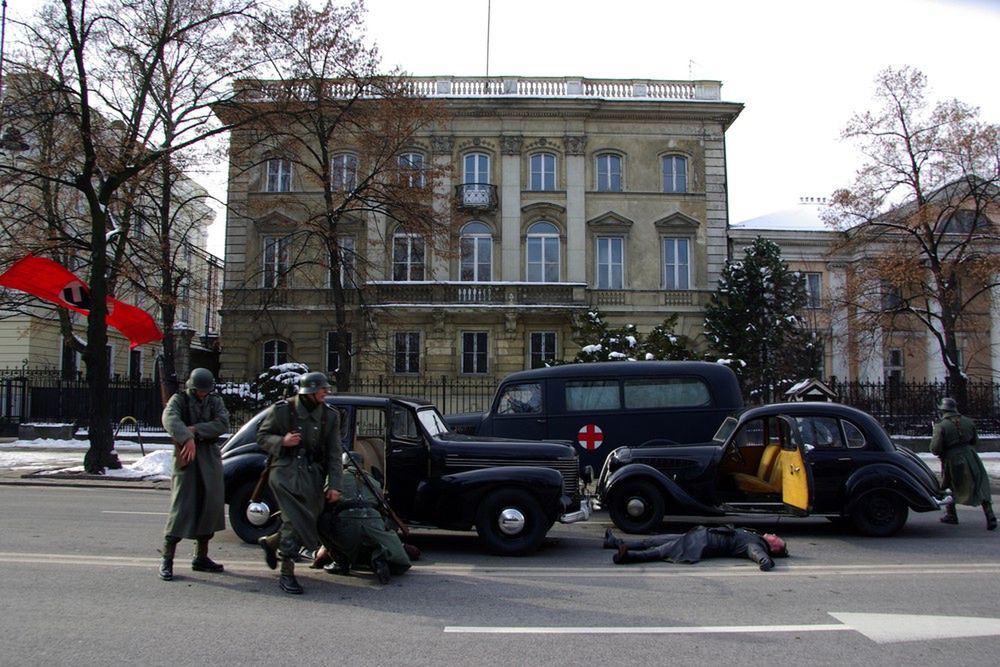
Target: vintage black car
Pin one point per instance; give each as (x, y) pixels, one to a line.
(800, 459)
(511, 491)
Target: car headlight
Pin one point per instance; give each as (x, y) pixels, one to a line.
(622, 455)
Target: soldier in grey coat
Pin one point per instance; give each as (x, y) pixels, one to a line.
(302, 438)
(195, 419)
(954, 441)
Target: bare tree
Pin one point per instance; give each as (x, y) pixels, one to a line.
(127, 87)
(345, 129)
(921, 215)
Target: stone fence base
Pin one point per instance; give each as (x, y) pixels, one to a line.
(46, 431)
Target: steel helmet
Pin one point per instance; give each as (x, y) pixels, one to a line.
(201, 379)
(310, 383)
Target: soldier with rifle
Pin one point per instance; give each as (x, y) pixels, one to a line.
(302, 438)
(355, 529)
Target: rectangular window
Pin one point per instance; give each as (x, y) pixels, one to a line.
(676, 264)
(609, 173)
(343, 260)
(279, 175)
(474, 352)
(543, 172)
(406, 352)
(407, 257)
(275, 270)
(674, 173)
(814, 286)
(134, 365)
(411, 170)
(610, 262)
(542, 348)
(274, 353)
(333, 360)
(344, 172)
(894, 366)
(666, 393)
(585, 395)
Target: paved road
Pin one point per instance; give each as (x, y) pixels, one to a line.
(78, 581)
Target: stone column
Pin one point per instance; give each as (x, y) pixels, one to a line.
(510, 207)
(839, 330)
(441, 160)
(183, 335)
(995, 331)
(576, 223)
(932, 348)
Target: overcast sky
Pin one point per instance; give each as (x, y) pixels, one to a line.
(800, 67)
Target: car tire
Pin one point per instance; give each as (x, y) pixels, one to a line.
(879, 514)
(637, 506)
(510, 522)
(238, 520)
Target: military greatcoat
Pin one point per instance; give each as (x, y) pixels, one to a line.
(354, 528)
(954, 441)
(300, 476)
(197, 495)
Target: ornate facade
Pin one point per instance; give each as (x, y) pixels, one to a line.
(561, 195)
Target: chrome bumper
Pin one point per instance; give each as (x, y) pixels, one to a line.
(581, 514)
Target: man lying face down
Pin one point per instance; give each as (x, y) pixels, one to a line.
(698, 543)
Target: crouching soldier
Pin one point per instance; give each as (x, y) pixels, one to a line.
(354, 532)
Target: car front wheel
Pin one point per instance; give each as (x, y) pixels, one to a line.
(879, 514)
(510, 522)
(238, 520)
(637, 506)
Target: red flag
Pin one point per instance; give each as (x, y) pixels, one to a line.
(51, 281)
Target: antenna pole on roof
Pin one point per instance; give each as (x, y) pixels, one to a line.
(486, 85)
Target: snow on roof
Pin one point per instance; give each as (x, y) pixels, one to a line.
(805, 216)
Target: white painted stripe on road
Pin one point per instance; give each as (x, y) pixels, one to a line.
(128, 512)
(653, 630)
(663, 571)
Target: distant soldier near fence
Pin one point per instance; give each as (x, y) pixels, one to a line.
(954, 441)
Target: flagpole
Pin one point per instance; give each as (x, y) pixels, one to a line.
(488, 11)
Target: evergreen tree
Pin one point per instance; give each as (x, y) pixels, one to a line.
(599, 342)
(752, 321)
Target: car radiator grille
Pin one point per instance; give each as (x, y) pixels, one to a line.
(570, 469)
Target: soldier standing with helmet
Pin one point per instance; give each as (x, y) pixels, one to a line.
(195, 419)
(954, 441)
(301, 436)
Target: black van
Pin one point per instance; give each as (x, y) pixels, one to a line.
(602, 406)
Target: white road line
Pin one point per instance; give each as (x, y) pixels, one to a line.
(128, 512)
(652, 630)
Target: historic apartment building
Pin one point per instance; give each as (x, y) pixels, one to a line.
(564, 195)
(888, 348)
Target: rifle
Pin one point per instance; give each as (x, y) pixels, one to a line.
(383, 505)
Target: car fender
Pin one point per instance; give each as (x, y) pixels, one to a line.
(886, 477)
(237, 469)
(680, 498)
(455, 498)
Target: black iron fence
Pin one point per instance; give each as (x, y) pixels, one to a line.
(45, 397)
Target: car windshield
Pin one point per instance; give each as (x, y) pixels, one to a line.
(433, 421)
(725, 430)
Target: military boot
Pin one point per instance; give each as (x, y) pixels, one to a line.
(167, 560)
(991, 518)
(269, 543)
(287, 580)
(950, 515)
(610, 541)
(201, 561)
(381, 569)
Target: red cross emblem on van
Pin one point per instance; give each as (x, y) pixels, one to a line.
(590, 436)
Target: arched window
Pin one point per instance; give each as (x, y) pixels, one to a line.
(608, 168)
(476, 246)
(275, 353)
(407, 256)
(344, 172)
(543, 253)
(674, 173)
(542, 171)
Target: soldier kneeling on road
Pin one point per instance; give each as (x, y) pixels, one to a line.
(353, 531)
